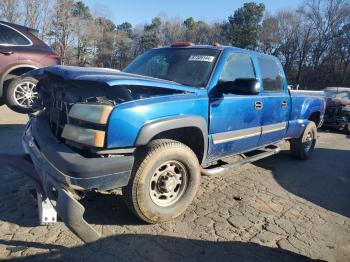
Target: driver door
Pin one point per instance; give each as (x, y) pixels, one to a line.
(235, 120)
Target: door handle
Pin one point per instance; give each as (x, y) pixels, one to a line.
(6, 52)
(284, 104)
(258, 105)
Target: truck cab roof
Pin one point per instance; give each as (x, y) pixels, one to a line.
(216, 46)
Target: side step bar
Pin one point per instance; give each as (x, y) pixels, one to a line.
(219, 170)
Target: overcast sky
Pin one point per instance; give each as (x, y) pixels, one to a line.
(141, 11)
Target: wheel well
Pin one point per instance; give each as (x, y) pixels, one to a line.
(15, 72)
(315, 117)
(190, 136)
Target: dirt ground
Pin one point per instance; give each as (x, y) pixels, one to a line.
(277, 209)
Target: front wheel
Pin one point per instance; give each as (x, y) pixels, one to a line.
(164, 181)
(21, 94)
(302, 147)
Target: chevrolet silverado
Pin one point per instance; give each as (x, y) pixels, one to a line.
(153, 128)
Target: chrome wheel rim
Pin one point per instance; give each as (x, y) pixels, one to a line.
(168, 183)
(25, 93)
(308, 142)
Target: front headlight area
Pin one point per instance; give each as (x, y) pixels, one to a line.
(90, 137)
(87, 124)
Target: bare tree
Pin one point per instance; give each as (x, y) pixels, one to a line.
(37, 14)
(62, 29)
(288, 33)
(327, 18)
(269, 41)
(9, 10)
(46, 19)
(312, 42)
(172, 31)
(32, 12)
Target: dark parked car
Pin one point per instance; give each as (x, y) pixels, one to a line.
(337, 114)
(20, 52)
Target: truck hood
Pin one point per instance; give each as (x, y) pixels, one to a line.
(67, 85)
(108, 76)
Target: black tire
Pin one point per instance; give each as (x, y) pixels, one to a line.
(301, 148)
(12, 96)
(148, 163)
(347, 129)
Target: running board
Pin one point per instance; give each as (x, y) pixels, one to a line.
(218, 170)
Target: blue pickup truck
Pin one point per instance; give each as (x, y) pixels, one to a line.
(153, 128)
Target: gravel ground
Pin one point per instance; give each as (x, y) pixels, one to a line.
(277, 209)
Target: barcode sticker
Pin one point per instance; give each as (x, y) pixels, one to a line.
(202, 58)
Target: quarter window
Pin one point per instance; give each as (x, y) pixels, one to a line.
(237, 66)
(9, 36)
(270, 73)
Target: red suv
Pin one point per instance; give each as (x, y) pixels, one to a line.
(20, 52)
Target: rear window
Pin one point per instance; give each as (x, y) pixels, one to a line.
(9, 36)
(270, 74)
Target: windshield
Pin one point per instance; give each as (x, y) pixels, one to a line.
(338, 95)
(187, 66)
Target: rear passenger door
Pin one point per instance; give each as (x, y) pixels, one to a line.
(275, 99)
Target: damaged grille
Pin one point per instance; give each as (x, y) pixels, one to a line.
(58, 116)
(57, 96)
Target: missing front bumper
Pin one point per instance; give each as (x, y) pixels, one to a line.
(68, 208)
(59, 187)
(70, 211)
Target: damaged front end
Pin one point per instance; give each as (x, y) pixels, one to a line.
(66, 138)
(337, 116)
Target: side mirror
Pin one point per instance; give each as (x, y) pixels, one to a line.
(241, 86)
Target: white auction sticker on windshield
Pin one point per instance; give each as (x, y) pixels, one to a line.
(202, 58)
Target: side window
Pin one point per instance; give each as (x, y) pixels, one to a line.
(237, 66)
(3, 39)
(11, 37)
(270, 73)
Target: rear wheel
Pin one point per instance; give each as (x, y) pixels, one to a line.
(164, 181)
(302, 147)
(21, 94)
(347, 128)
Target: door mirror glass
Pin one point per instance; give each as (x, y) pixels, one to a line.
(241, 86)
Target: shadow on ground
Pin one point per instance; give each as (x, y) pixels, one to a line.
(324, 179)
(11, 138)
(156, 248)
(15, 207)
(335, 131)
(111, 209)
(15, 183)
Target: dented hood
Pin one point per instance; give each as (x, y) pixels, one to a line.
(104, 75)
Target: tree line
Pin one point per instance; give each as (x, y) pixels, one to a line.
(312, 41)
